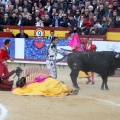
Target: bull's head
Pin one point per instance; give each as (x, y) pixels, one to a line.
(117, 55)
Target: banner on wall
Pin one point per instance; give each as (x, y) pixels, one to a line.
(35, 49)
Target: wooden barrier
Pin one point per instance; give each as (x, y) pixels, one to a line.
(32, 30)
(113, 34)
(6, 34)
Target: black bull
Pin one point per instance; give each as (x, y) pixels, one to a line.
(104, 63)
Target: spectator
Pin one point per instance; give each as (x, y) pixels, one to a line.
(114, 15)
(104, 22)
(101, 12)
(111, 23)
(39, 24)
(20, 21)
(13, 19)
(95, 30)
(55, 5)
(30, 21)
(81, 21)
(63, 5)
(8, 30)
(25, 13)
(88, 21)
(48, 7)
(84, 30)
(26, 5)
(96, 13)
(117, 21)
(115, 4)
(61, 12)
(6, 19)
(21, 34)
(118, 10)
(51, 35)
(47, 20)
(56, 21)
(17, 4)
(64, 21)
(109, 12)
(72, 21)
(86, 13)
(77, 14)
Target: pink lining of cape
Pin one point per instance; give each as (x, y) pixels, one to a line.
(75, 42)
(39, 79)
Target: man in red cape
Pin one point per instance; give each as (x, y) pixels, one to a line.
(5, 85)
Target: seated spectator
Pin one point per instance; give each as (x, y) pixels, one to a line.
(56, 21)
(96, 13)
(101, 11)
(47, 20)
(27, 5)
(64, 21)
(72, 21)
(8, 30)
(61, 12)
(30, 21)
(13, 19)
(25, 13)
(81, 21)
(109, 12)
(39, 24)
(95, 30)
(88, 21)
(117, 21)
(118, 10)
(20, 21)
(104, 22)
(84, 30)
(21, 34)
(111, 23)
(51, 35)
(48, 7)
(77, 14)
(42, 11)
(6, 19)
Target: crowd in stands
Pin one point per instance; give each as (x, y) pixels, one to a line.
(83, 16)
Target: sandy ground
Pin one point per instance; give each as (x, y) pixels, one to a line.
(91, 103)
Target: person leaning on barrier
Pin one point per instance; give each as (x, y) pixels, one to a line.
(51, 34)
(21, 34)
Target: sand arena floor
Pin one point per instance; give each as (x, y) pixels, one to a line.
(90, 104)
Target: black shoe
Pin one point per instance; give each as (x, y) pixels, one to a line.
(88, 82)
(93, 83)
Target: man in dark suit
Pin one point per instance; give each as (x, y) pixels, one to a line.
(56, 21)
(20, 21)
(21, 34)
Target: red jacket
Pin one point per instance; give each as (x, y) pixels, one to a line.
(89, 48)
(4, 54)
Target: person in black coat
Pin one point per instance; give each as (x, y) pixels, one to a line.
(21, 34)
(20, 21)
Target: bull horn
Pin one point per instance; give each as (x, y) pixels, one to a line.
(117, 56)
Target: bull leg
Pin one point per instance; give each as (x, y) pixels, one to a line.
(104, 83)
(74, 75)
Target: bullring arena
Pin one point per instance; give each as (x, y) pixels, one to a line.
(91, 103)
